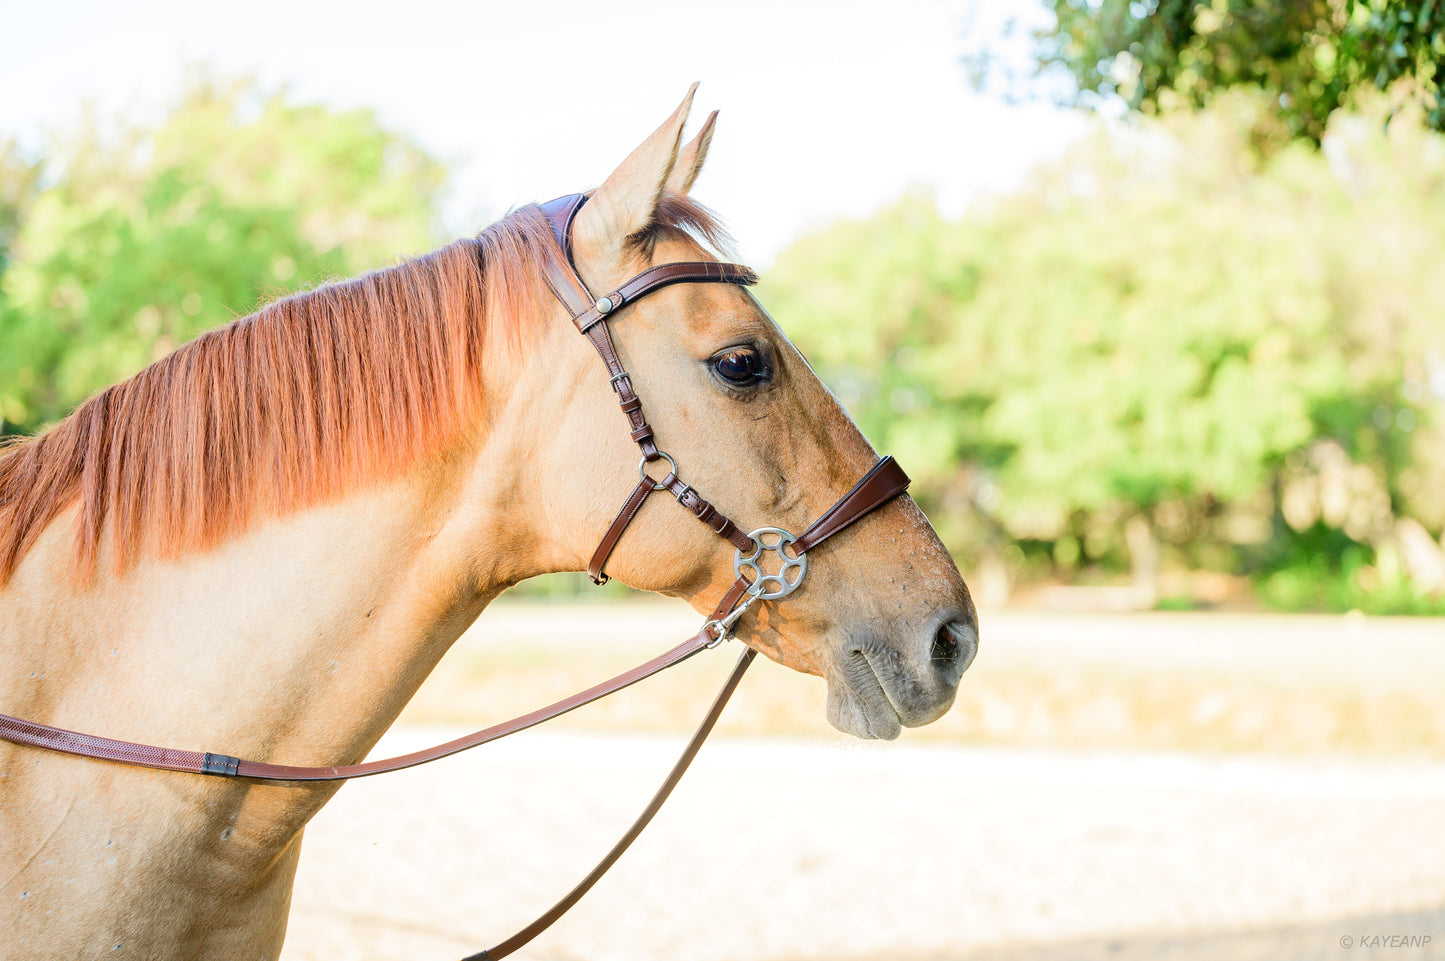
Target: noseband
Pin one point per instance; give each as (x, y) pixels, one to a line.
(786, 553)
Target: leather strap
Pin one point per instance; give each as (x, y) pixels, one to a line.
(560, 213)
(223, 765)
(719, 522)
(716, 520)
(567, 287)
(664, 275)
(601, 337)
(729, 601)
(544, 922)
(630, 507)
(588, 310)
(30, 733)
(885, 481)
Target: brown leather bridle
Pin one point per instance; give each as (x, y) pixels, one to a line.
(591, 315)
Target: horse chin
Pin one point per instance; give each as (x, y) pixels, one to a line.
(859, 705)
(874, 692)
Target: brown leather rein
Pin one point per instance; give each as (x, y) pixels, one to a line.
(881, 484)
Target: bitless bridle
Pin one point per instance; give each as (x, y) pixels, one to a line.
(764, 549)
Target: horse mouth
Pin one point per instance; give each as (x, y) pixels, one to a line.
(874, 690)
(860, 704)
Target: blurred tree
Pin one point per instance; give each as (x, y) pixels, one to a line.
(1160, 337)
(141, 238)
(355, 187)
(19, 185)
(104, 288)
(1309, 56)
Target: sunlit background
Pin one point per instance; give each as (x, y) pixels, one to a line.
(1148, 298)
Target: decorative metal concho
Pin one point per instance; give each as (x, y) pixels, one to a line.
(765, 586)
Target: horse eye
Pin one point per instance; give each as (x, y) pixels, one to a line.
(741, 365)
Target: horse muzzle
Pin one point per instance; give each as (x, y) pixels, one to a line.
(877, 688)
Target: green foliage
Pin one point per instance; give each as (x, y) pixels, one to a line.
(19, 184)
(353, 185)
(105, 289)
(1310, 56)
(1161, 328)
(1344, 581)
(137, 241)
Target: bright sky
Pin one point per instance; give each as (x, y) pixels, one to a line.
(830, 108)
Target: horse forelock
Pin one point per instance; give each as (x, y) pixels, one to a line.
(310, 397)
(680, 212)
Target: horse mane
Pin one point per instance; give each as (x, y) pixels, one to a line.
(309, 398)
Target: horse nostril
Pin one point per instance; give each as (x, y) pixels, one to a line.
(945, 645)
(954, 645)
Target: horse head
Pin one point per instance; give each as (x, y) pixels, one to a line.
(741, 417)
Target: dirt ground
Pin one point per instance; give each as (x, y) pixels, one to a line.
(798, 848)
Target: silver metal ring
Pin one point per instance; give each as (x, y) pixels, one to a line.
(791, 569)
(642, 469)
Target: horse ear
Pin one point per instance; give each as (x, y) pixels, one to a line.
(690, 158)
(627, 200)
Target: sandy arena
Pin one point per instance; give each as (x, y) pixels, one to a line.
(795, 849)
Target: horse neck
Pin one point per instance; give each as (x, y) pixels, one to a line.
(298, 640)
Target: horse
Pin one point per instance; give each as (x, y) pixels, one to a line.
(267, 539)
